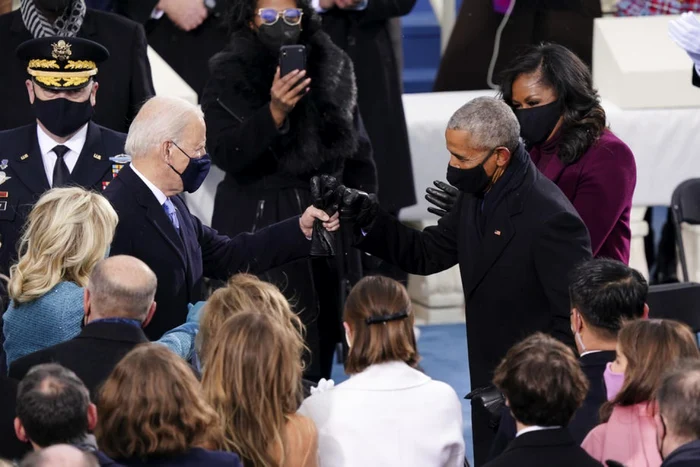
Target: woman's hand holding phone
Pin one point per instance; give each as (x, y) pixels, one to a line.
(286, 92)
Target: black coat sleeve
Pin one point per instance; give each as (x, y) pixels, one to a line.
(236, 141)
(137, 10)
(696, 78)
(417, 252)
(268, 248)
(563, 243)
(360, 172)
(141, 85)
(381, 10)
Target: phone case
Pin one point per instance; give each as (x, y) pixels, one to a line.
(292, 57)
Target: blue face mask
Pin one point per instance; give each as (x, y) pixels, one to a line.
(195, 172)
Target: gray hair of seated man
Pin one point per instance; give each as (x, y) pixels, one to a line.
(489, 122)
(679, 400)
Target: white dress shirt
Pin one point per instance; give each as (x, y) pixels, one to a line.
(536, 428)
(160, 196)
(46, 145)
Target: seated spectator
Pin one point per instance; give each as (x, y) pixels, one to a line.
(118, 303)
(10, 446)
(53, 407)
(385, 392)
(68, 232)
(544, 386)
(61, 455)
(678, 419)
(252, 378)
(603, 293)
(645, 349)
(151, 412)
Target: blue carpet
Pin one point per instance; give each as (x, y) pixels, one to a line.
(443, 349)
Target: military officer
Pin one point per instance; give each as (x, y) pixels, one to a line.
(63, 147)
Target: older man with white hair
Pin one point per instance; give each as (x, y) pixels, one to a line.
(167, 143)
(513, 233)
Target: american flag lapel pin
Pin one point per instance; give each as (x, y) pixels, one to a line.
(497, 232)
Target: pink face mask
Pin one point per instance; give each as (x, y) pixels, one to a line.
(613, 381)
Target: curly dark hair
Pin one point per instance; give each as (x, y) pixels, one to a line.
(584, 117)
(238, 15)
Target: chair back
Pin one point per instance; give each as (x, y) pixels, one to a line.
(680, 302)
(685, 207)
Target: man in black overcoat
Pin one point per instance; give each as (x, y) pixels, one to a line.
(513, 233)
(125, 79)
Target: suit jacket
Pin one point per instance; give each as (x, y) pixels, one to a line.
(125, 78)
(687, 455)
(546, 447)
(20, 152)
(182, 259)
(430, 434)
(92, 355)
(195, 457)
(600, 185)
(585, 418)
(10, 446)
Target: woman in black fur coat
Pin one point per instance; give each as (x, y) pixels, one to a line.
(271, 134)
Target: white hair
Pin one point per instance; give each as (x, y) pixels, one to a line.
(161, 119)
(489, 121)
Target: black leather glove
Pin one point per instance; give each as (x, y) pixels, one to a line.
(444, 197)
(358, 207)
(492, 400)
(325, 196)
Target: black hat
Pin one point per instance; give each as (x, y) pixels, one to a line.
(62, 63)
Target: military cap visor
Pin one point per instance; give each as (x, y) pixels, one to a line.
(62, 63)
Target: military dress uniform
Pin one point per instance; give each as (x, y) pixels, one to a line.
(32, 161)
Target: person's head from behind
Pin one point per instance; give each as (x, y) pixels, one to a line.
(167, 142)
(252, 378)
(244, 293)
(678, 417)
(481, 138)
(378, 320)
(603, 294)
(551, 89)
(121, 287)
(274, 22)
(645, 349)
(60, 455)
(67, 232)
(542, 382)
(53, 407)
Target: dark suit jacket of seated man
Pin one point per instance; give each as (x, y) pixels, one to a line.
(515, 246)
(182, 256)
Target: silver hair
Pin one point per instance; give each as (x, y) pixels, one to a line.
(161, 119)
(489, 122)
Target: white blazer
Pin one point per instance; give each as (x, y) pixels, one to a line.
(388, 415)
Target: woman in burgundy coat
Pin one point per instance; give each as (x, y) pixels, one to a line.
(563, 124)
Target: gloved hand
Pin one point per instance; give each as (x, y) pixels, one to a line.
(444, 197)
(325, 196)
(358, 207)
(685, 32)
(323, 386)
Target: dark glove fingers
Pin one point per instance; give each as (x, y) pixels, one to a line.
(447, 188)
(436, 211)
(438, 195)
(446, 205)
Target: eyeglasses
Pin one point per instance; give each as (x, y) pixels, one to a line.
(291, 16)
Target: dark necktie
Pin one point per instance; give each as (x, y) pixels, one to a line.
(61, 174)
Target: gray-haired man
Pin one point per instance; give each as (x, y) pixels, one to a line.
(514, 235)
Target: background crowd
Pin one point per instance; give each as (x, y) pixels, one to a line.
(133, 334)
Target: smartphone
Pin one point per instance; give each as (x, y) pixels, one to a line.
(292, 57)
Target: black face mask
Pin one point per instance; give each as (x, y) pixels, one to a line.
(537, 123)
(52, 6)
(62, 116)
(279, 34)
(474, 180)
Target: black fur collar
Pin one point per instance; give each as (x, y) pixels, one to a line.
(322, 126)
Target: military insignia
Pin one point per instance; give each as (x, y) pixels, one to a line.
(121, 159)
(3, 177)
(116, 168)
(105, 185)
(3, 164)
(26, 156)
(61, 50)
(97, 156)
(4, 194)
(3, 205)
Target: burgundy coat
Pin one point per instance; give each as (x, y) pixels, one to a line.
(600, 186)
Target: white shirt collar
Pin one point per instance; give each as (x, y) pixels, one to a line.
(160, 196)
(589, 352)
(536, 428)
(75, 143)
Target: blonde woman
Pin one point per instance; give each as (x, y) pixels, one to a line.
(151, 412)
(387, 413)
(67, 232)
(252, 378)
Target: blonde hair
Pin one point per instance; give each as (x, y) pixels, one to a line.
(245, 292)
(253, 381)
(66, 234)
(152, 405)
(376, 339)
